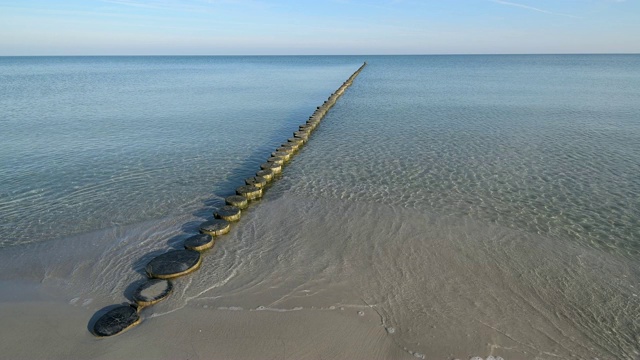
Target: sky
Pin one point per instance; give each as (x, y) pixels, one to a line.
(317, 27)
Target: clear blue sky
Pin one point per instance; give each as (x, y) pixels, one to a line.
(216, 27)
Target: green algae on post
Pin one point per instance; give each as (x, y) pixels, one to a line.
(301, 135)
(277, 169)
(285, 155)
(288, 147)
(199, 242)
(306, 128)
(116, 321)
(228, 213)
(215, 227)
(285, 152)
(249, 191)
(297, 141)
(237, 201)
(257, 181)
(276, 160)
(173, 264)
(266, 174)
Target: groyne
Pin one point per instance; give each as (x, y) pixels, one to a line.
(176, 263)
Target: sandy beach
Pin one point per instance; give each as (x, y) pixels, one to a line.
(417, 290)
(196, 333)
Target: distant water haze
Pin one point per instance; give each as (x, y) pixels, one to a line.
(467, 205)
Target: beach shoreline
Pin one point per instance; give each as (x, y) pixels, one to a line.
(448, 207)
(195, 333)
(471, 291)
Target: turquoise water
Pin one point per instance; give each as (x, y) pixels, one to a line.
(473, 205)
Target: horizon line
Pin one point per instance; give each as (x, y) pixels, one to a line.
(372, 54)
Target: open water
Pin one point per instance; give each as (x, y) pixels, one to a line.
(481, 204)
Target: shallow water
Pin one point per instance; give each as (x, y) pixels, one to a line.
(475, 205)
(547, 144)
(94, 142)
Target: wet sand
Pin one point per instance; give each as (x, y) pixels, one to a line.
(321, 278)
(196, 333)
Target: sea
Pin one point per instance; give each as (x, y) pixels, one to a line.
(476, 203)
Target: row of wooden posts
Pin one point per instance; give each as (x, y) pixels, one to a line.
(176, 263)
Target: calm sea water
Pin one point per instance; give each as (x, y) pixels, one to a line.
(475, 202)
(546, 144)
(93, 142)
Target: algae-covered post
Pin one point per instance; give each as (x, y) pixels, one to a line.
(237, 201)
(229, 213)
(117, 320)
(178, 263)
(257, 181)
(199, 242)
(173, 264)
(215, 227)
